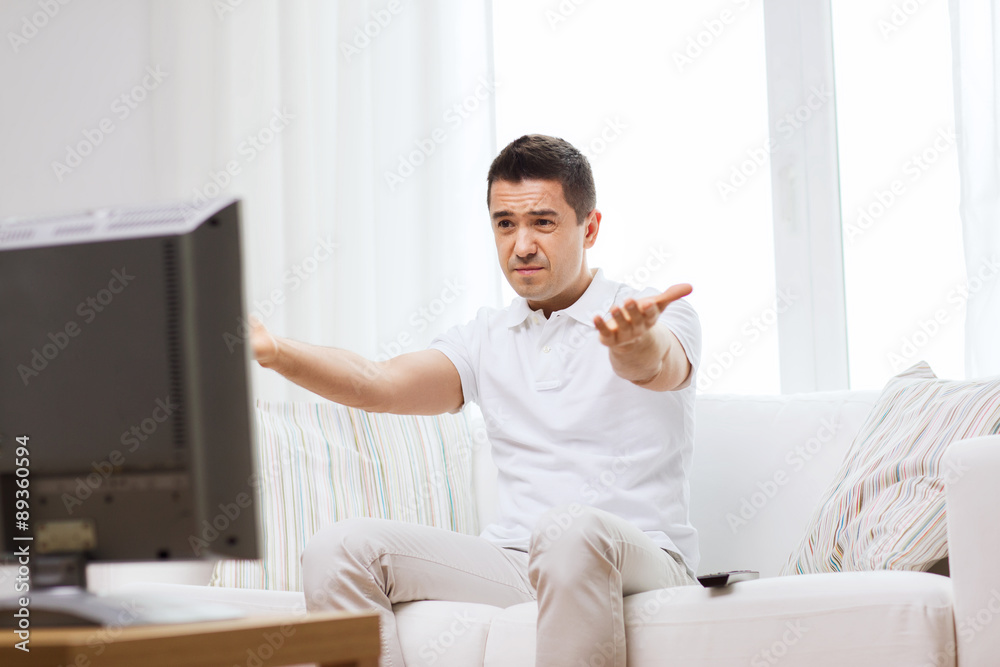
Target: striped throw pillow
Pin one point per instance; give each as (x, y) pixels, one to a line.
(885, 509)
(322, 462)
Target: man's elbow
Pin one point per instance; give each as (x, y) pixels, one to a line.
(671, 377)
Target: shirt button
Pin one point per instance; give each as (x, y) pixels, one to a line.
(546, 349)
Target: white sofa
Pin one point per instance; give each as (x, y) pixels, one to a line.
(761, 466)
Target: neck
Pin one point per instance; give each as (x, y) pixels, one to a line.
(569, 297)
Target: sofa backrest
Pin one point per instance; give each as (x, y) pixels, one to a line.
(761, 465)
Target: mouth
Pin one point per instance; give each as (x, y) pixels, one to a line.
(528, 270)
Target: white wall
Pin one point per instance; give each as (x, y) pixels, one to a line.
(68, 77)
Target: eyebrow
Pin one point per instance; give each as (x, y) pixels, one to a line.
(537, 213)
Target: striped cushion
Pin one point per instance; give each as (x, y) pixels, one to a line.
(322, 462)
(885, 509)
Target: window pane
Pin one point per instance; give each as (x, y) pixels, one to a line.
(903, 264)
(669, 101)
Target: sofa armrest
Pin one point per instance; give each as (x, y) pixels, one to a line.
(972, 481)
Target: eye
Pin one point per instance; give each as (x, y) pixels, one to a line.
(504, 224)
(544, 223)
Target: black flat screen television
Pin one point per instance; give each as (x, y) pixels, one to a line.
(125, 415)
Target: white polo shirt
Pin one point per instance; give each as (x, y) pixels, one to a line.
(565, 428)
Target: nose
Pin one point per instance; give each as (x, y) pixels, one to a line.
(524, 243)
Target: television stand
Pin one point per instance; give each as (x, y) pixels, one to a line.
(329, 639)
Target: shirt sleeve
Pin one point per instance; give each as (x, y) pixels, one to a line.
(682, 320)
(461, 345)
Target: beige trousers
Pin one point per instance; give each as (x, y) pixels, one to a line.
(581, 563)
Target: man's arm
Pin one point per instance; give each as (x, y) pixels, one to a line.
(416, 383)
(643, 350)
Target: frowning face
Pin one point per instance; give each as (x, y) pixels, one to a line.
(540, 244)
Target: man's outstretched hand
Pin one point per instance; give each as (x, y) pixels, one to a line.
(263, 343)
(628, 324)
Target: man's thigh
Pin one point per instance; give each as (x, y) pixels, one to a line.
(563, 537)
(407, 561)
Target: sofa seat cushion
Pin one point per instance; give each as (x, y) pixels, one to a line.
(443, 634)
(862, 619)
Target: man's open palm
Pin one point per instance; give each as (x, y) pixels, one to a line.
(628, 323)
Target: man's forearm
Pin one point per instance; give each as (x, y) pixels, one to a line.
(656, 360)
(338, 375)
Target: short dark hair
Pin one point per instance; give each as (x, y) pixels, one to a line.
(537, 156)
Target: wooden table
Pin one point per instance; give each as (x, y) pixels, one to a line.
(329, 639)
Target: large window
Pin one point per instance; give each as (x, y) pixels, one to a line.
(903, 264)
(669, 100)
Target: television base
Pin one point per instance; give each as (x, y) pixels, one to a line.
(70, 606)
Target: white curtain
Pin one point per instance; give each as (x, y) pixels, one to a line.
(367, 125)
(976, 48)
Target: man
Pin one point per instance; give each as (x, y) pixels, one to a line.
(594, 386)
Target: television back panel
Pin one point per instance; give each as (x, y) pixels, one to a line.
(117, 365)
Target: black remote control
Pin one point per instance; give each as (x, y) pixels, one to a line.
(719, 579)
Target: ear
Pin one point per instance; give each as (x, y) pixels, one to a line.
(593, 225)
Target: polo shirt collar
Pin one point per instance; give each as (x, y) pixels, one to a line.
(596, 300)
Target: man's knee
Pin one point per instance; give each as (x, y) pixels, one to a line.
(566, 544)
(335, 551)
(339, 539)
(567, 527)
